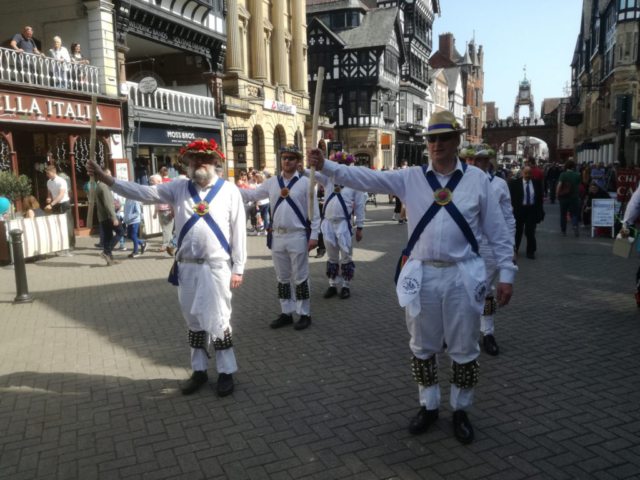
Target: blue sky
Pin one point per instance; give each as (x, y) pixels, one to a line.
(541, 34)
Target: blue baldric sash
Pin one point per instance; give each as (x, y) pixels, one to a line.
(201, 210)
(442, 198)
(337, 192)
(285, 195)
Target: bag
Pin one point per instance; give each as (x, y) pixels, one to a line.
(565, 189)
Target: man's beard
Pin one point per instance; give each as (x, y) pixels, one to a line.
(200, 176)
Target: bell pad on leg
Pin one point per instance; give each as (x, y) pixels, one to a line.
(199, 340)
(348, 270)
(332, 270)
(465, 375)
(223, 344)
(302, 290)
(490, 306)
(284, 291)
(425, 372)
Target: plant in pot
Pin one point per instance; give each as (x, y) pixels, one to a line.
(13, 187)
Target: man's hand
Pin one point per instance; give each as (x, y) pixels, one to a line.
(21, 50)
(236, 281)
(505, 292)
(358, 235)
(515, 258)
(311, 245)
(48, 207)
(300, 168)
(315, 158)
(115, 223)
(94, 169)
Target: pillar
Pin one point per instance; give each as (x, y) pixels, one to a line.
(299, 34)
(259, 57)
(101, 43)
(122, 59)
(234, 49)
(279, 47)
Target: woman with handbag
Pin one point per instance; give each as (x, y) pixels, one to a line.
(568, 191)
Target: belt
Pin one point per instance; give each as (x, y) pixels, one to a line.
(289, 230)
(440, 264)
(199, 261)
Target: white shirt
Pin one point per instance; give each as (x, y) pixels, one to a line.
(64, 54)
(531, 192)
(633, 208)
(353, 199)
(226, 209)
(57, 184)
(442, 239)
(501, 189)
(285, 217)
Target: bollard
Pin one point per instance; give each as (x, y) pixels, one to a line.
(20, 269)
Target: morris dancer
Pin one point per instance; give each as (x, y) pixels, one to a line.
(289, 236)
(336, 228)
(211, 254)
(481, 159)
(443, 282)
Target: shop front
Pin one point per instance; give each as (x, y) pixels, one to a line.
(53, 128)
(410, 147)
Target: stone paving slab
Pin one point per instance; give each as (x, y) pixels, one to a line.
(90, 374)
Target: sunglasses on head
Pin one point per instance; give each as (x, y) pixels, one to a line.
(443, 137)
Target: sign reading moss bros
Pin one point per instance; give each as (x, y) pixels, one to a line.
(44, 110)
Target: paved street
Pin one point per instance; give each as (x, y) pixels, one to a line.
(90, 374)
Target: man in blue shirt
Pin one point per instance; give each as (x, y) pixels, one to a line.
(597, 174)
(23, 42)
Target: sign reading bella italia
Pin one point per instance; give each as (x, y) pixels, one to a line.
(21, 108)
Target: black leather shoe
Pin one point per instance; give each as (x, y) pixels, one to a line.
(282, 320)
(490, 345)
(225, 384)
(304, 322)
(344, 293)
(320, 253)
(462, 427)
(198, 379)
(331, 292)
(531, 256)
(420, 423)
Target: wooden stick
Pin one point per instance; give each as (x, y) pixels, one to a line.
(92, 154)
(314, 139)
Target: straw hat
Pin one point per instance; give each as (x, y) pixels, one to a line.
(444, 122)
(291, 148)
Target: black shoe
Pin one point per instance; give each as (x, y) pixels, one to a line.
(331, 292)
(304, 322)
(421, 422)
(282, 320)
(98, 245)
(462, 427)
(198, 379)
(143, 248)
(320, 253)
(531, 256)
(490, 345)
(344, 293)
(225, 384)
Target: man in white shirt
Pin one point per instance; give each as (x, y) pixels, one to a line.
(211, 254)
(289, 236)
(58, 200)
(442, 280)
(481, 159)
(631, 214)
(336, 228)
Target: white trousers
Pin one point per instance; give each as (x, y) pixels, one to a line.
(486, 321)
(446, 315)
(338, 255)
(291, 262)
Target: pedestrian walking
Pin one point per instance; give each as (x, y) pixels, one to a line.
(108, 220)
(553, 174)
(290, 237)
(210, 258)
(441, 278)
(58, 201)
(528, 209)
(132, 218)
(568, 191)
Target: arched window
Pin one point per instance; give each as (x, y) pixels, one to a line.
(279, 141)
(256, 140)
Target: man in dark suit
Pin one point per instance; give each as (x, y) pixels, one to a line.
(526, 199)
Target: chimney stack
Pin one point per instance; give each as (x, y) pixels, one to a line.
(446, 45)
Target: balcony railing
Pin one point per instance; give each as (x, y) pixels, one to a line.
(35, 70)
(172, 101)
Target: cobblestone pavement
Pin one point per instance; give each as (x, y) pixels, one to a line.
(90, 374)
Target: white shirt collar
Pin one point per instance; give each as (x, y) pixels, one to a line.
(458, 167)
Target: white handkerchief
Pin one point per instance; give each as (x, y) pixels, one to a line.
(474, 277)
(409, 284)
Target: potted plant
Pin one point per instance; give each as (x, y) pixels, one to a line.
(14, 187)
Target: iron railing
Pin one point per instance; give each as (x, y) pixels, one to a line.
(172, 101)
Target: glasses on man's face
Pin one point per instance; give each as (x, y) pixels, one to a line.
(442, 137)
(289, 159)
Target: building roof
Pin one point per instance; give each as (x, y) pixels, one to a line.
(374, 30)
(550, 104)
(318, 6)
(327, 30)
(466, 60)
(452, 74)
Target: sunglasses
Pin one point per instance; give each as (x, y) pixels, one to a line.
(443, 137)
(289, 159)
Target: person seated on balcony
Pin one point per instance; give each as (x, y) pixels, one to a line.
(61, 54)
(78, 59)
(23, 42)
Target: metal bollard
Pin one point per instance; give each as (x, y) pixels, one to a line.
(20, 269)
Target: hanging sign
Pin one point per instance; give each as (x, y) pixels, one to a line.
(385, 142)
(147, 85)
(239, 138)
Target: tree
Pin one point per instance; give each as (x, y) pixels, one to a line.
(13, 187)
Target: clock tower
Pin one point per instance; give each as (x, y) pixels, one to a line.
(524, 97)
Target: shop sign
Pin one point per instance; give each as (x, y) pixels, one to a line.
(279, 107)
(336, 146)
(160, 135)
(147, 85)
(626, 183)
(385, 142)
(51, 110)
(239, 138)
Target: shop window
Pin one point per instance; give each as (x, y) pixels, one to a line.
(364, 107)
(81, 150)
(390, 62)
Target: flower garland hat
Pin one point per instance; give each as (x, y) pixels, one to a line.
(444, 122)
(202, 146)
(343, 158)
(291, 148)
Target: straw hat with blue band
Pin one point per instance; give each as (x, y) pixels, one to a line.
(444, 122)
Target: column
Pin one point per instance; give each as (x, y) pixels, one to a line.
(279, 47)
(259, 57)
(299, 35)
(234, 49)
(101, 43)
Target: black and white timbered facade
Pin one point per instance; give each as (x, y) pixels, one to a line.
(363, 54)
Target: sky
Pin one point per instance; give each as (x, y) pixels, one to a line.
(541, 34)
